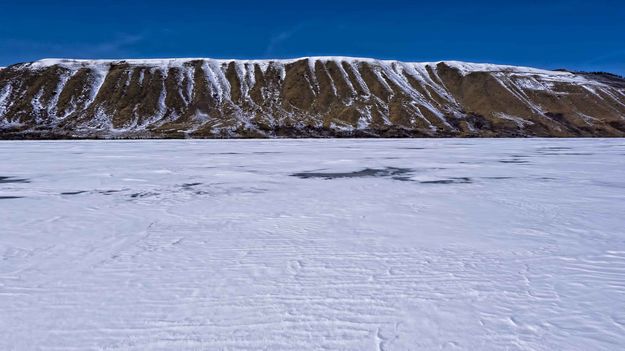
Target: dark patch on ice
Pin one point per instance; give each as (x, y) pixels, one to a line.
(10, 197)
(515, 160)
(554, 148)
(73, 192)
(5, 180)
(230, 191)
(453, 180)
(403, 178)
(392, 172)
(561, 151)
(567, 153)
(498, 178)
(221, 153)
(412, 148)
(190, 185)
(143, 195)
(547, 178)
(108, 192)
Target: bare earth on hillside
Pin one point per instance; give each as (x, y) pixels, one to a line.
(304, 97)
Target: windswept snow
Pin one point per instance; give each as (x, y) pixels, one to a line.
(463, 67)
(468, 67)
(313, 244)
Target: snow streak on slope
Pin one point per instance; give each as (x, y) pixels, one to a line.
(308, 245)
(4, 98)
(312, 96)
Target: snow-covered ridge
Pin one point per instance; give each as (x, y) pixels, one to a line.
(463, 67)
(334, 92)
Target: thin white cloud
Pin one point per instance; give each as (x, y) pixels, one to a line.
(117, 44)
(277, 40)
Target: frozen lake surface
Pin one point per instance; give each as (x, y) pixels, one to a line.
(313, 244)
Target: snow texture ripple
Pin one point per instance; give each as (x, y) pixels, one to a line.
(313, 245)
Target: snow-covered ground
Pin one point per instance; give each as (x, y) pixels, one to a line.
(313, 244)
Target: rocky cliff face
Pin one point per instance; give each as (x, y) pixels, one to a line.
(316, 97)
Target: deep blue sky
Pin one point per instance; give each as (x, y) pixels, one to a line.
(581, 35)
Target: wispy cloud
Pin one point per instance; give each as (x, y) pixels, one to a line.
(121, 42)
(278, 39)
(119, 45)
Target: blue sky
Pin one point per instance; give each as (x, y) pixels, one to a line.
(579, 35)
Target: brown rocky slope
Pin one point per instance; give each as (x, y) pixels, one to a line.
(307, 97)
